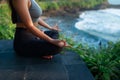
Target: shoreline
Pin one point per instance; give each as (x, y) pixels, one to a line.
(74, 12)
(67, 11)
(114, 6)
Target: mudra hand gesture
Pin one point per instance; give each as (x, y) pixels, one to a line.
(55, 28)
(60, 43)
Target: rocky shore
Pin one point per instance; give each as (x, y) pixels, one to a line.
(74, 12)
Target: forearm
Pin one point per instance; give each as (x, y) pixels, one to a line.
(43, 23)
(43, 36)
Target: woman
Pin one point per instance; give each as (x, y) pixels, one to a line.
(29, 40)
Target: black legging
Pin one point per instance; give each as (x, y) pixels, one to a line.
(26, 44)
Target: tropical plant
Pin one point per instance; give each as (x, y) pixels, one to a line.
(6, 27)
(104, 63)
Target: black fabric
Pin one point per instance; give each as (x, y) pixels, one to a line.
(26, 44)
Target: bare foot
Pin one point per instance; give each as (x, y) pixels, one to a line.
(47, 57)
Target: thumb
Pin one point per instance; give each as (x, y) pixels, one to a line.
(56, 25)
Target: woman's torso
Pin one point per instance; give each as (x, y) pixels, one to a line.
(35, 12)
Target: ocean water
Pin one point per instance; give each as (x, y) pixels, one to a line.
(102, 23)
(91, 27)
(115, 2)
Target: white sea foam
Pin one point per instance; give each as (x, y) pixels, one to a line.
(102, 23)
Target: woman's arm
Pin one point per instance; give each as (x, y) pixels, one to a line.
(21, 6)
(44, 24)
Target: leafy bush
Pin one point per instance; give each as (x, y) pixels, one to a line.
(56, 4)
(104, 63)
(6, 27)
(48, 5)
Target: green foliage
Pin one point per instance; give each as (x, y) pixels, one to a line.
(48, 5)
(104, 63)
(43, 5)
(57, 4)
(6, 27)
(116, 48)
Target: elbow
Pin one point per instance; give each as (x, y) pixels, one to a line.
(29, 25)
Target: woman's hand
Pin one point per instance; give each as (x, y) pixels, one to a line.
(55, 28)
(60, 43)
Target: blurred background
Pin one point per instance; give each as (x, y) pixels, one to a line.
(91, 27)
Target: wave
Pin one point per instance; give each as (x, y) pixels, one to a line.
(101, 23)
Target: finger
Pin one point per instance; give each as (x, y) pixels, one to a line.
(67, 45)
(58, 29)
(63, 41)
(56, 25)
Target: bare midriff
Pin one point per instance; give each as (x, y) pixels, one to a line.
(22, 25)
